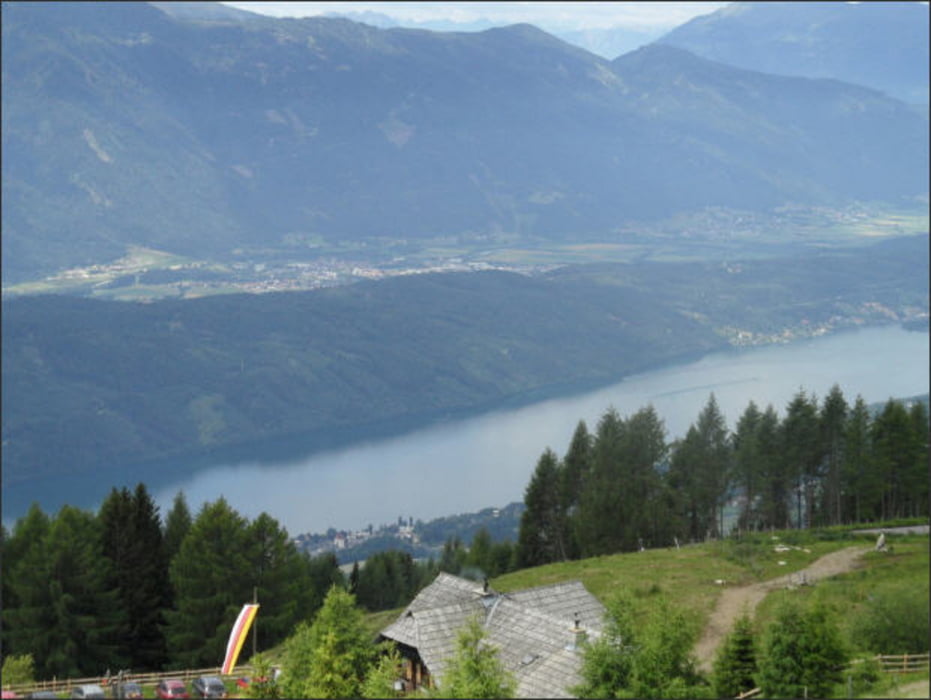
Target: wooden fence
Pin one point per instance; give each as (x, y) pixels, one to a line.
(145, 679)
(891, 663)
(903, 663)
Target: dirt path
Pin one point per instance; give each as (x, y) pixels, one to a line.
(733, 601)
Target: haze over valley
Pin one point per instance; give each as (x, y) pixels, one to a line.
(440, 223)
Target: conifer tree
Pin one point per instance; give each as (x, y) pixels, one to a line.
(608, 661)
(802, 453)
(88, 622)
(802, 654)
(542, 525)
(575, 473)
(599, 519)
(480, 553)
(475, 671)
(891, 438)
(833, 421)
(746, 465)
(735, 666)
(860, 482)
(776, 480)
(277, 577)
(177, 524)
(210, 575)
(131, 539)
(331, 657)
(27, 608)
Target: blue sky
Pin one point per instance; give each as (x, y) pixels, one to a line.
(546, 15)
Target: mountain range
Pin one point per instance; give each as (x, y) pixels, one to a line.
(124, 125)
(883, 45)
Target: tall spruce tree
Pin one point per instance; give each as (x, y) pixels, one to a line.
(542, 524)
(892, 440)
(861, 486)
(833, 422)
(801, 453)
(88, 622)
(746, 466)
(917, 479)
(735, 665)
(643, 449)
(210, 575)
(278, 579)
(599, 519)
(575, 473)
(27, 605)
(131, 539)
(177, 524)
(802, 654)
(775, 475)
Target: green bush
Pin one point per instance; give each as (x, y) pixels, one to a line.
(894, 620)
(863, 676)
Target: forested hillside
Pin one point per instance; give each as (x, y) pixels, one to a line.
(90, 385)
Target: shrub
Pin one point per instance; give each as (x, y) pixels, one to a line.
(894, 621)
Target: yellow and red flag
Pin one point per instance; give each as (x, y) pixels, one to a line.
(238, 636)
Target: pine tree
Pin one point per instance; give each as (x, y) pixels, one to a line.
(177, 524)
(802, 654)
(608, 661)
(861, 484)
(542, 525)
(833, 421)
(475, 671)
(87, 621)
(776, 481)
(600, 517)
(735, 667)
(211, 583)
(575, 473)
(331, 657)
(27, 609)
(380, 680)
(891, 438)
(277, 577)
(801, 453)
(132, 541)
(746, 465)
(480, 553)
(916, 485)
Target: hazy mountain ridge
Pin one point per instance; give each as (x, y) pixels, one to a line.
(881, 45)
(257, 132)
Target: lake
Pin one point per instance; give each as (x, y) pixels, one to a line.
(474, 463)
(469, 464)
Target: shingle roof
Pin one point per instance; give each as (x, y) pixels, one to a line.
(532, 629)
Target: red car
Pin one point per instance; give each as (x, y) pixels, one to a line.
(171, 689)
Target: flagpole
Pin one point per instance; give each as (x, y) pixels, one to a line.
(255, 599)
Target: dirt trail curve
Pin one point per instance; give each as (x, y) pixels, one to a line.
(732, 601)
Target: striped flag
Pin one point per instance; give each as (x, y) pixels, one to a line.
(238, 636)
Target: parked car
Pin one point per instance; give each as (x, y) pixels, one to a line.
(208, 687)
(43, 695)
(171, 689)
(126, 689)
(88, 691)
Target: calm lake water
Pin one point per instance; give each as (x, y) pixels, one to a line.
(471, 464)
(466, 465)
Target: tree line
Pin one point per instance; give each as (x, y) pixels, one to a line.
(822, 463)
(84, 592)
